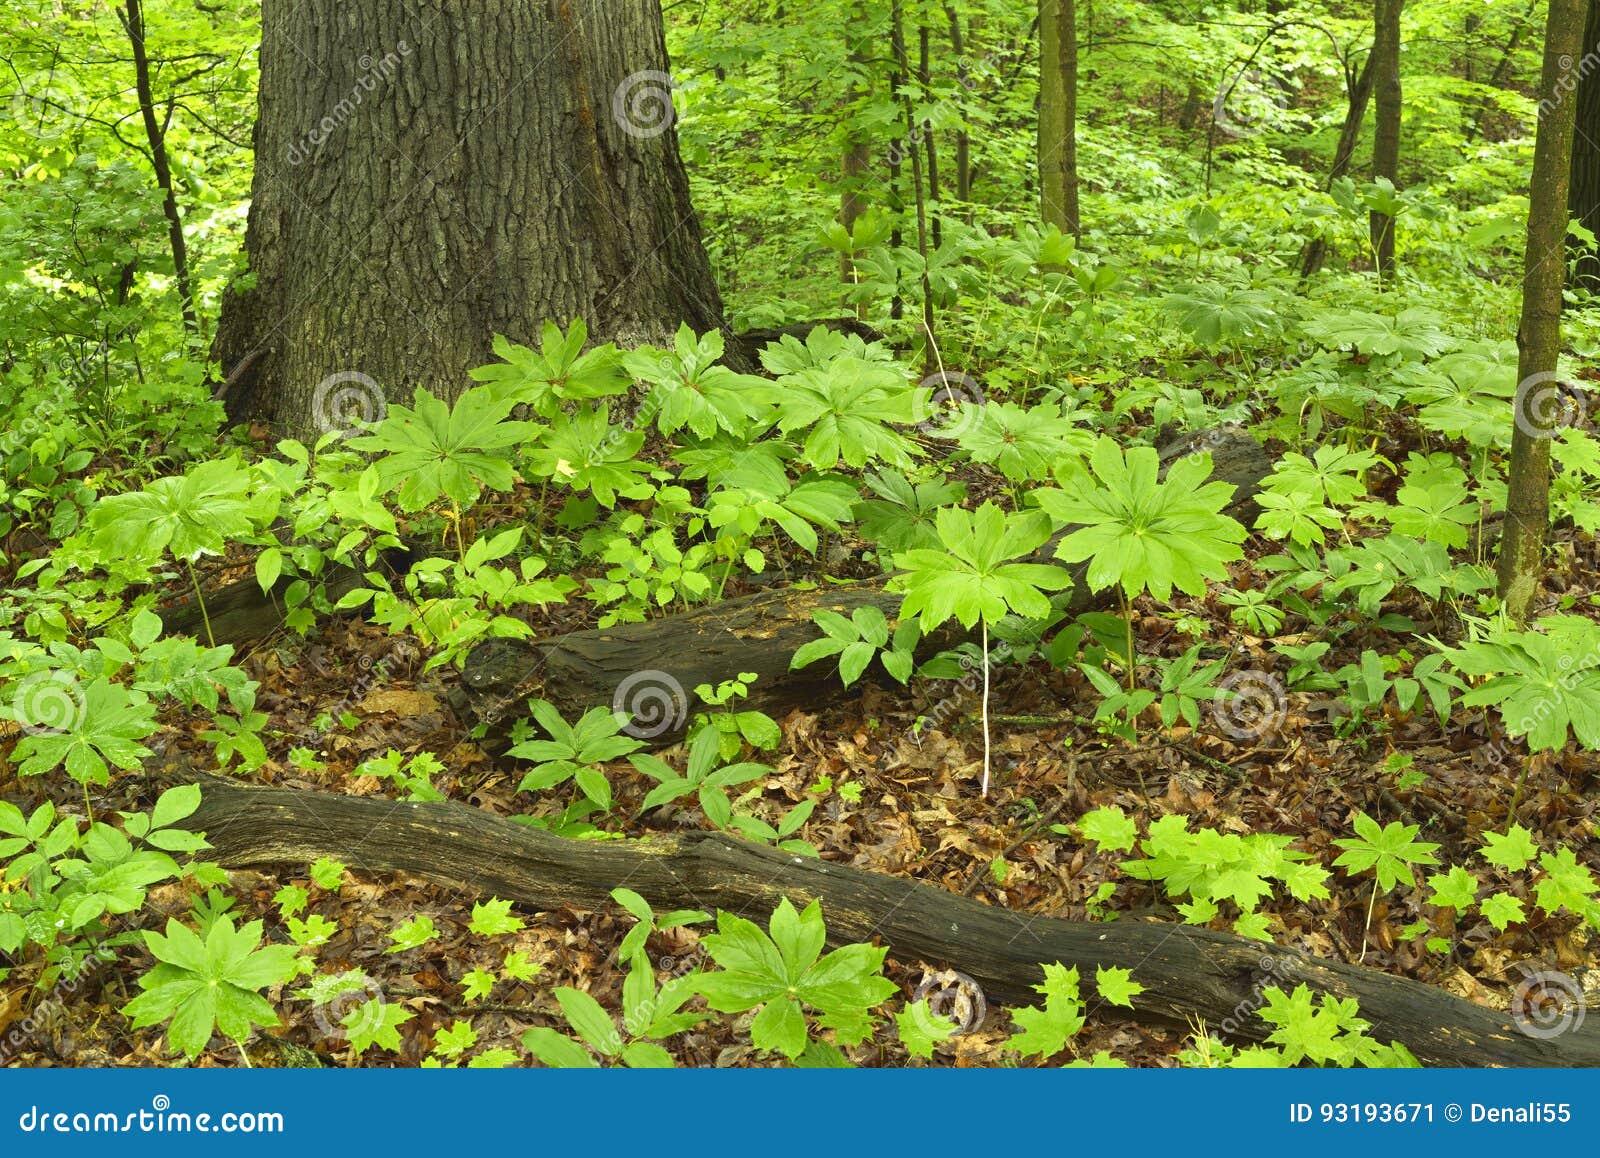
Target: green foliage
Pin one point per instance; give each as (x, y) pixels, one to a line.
(1210, 867)
(974, 577)
(785, 975)
(1045, 1030)
(574, 751)
(213, 984)
(1545, 682)
(1140, 532)
(1389, 850)
(435, 451)
(857, 639)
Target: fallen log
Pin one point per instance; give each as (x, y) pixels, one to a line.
(651, 669)
(241, 613)
(1188, 974)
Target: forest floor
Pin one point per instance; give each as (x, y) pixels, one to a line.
(899, 801)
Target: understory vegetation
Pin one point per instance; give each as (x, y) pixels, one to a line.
(1115, 679)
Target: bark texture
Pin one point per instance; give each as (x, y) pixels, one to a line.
(1058, 114)
(1386, 124)
(1187, 973)
(430, 173)
(1583, 188)
(1539, 396)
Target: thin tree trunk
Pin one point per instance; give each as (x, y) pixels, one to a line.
(1386, 126)
(1497, 78)
(925, 81)
(1521, 563)
(1058, 115)
(1358, 88)
(930, 355)
(1583, 192)
(963, 137)
(429, 174)
(853, 166)
(156, 134)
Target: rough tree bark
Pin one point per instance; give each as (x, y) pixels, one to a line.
(1058, 114)
(1385, 63)
(1583, 188)
(1539, 398)
(431, 173)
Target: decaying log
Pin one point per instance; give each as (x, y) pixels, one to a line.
(240, 612)
(651, 669)
(1188, 974)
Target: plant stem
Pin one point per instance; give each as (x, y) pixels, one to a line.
(1367, 929)
(201, 601)
(985, 640)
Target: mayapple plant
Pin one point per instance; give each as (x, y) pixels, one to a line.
(976, 580)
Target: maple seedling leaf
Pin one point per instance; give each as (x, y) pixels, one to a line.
(1513, 849)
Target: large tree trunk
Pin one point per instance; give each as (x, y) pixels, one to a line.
(1539, 405)
(1187, 974)
(1058, 114)
(1583, 191)
(431, 173)
(1386, 124)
